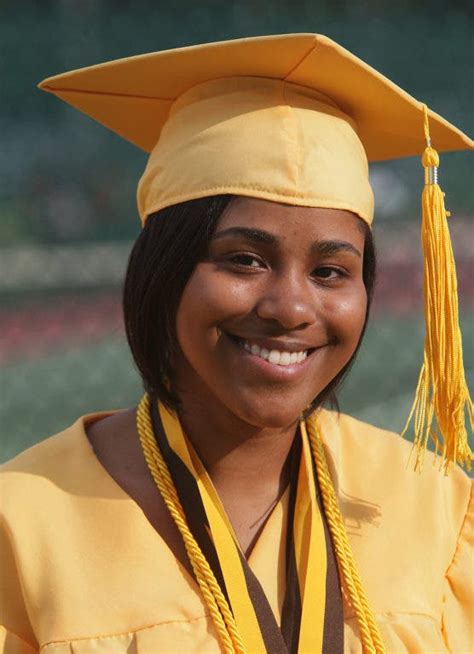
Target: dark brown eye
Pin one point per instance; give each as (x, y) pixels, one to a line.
(246, 260)
(328, 272)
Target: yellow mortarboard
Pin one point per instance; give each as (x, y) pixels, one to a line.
(291, 118)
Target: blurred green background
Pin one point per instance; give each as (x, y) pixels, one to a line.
(67, 195)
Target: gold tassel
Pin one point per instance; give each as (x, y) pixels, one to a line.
(442, 398)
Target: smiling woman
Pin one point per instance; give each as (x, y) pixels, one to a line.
(232, 510)
(224, 270)
(284, 302)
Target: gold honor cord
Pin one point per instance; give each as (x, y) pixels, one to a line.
(212, 593)
(369, 632)
(220, 611)
(255, 621)
(223, 537)
(310, 550)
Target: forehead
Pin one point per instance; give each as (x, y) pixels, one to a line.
(291, 221)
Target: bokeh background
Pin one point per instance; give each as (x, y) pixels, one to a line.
(67, 195)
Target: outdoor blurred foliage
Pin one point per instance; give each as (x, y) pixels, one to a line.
(67, 192)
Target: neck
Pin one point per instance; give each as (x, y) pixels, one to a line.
(236, 455)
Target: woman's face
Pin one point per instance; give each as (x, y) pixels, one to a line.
(274, 312)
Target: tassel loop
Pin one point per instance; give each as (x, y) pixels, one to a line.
(442, 401)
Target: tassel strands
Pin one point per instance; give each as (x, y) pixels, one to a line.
(442, 401)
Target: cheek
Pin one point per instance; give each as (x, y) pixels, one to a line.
(209, 299)
(346, 314)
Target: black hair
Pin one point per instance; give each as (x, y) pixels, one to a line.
(171, 243)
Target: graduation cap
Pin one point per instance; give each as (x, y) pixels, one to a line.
(295, 119)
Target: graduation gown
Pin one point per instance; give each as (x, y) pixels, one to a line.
(82, 569)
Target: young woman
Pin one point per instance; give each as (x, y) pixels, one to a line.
(229, 511)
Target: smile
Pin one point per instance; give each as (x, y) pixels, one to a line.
(277, 357)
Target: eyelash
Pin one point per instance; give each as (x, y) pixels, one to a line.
(339, 272)
(238, 260)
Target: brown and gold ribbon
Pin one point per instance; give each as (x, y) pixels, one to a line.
(312, 619)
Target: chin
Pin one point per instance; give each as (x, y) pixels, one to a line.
(274, 412)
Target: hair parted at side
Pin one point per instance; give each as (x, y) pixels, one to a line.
(171, 243)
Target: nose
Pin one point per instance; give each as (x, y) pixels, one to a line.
(289, 301)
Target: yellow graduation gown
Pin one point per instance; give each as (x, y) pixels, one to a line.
(83, 571)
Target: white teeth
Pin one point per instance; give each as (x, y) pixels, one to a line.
(275, 356)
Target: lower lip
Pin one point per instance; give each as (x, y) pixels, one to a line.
(273, 370)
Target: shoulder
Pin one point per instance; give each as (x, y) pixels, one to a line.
(424, 510)
(346, 432)
(35, 488)
(57, 465)
(67, 526)
(382, 451)
(43, 455)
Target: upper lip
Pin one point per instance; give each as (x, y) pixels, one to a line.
(281, 345)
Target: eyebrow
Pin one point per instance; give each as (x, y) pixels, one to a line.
(256, 235)
(328, 248)
(324, 248)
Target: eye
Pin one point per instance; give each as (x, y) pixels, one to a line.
(247, 260)
(328, 273)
